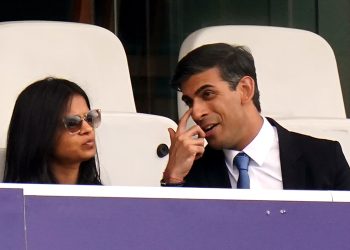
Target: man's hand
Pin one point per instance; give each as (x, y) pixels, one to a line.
(186, 146)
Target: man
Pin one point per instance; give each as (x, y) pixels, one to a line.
(219, 84)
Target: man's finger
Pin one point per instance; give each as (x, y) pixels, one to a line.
(183, 121)
(196, 130)
(172, 134)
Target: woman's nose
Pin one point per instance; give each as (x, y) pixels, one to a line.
(85, 127)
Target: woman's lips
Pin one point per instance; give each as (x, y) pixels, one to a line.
(89, 143)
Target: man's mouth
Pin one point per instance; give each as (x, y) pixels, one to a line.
(209, 127)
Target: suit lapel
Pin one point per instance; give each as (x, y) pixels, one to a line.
(291, 157)
(216, 170)
(209, 171)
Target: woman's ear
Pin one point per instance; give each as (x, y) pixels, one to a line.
(246, 86)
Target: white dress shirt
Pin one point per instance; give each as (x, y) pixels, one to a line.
(264, 166)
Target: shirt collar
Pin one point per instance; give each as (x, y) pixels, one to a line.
(258, 148)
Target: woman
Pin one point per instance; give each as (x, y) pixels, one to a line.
(51, 137)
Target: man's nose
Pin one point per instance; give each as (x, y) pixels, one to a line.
(199, 110)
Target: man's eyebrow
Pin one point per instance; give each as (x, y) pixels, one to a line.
(202, 88)
(187, 98)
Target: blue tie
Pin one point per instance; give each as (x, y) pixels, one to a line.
(241, 161)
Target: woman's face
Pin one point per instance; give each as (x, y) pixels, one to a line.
(74, 148)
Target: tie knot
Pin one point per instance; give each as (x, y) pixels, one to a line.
(241, 161)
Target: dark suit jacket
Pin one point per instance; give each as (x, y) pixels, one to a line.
(307, 163)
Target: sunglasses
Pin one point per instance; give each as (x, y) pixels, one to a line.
(73, 123)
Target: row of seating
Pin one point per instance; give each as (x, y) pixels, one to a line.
(94, 58)
(297, 77)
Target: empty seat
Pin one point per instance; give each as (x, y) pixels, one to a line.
(133, 148)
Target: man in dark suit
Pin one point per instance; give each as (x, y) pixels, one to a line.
(219, 84)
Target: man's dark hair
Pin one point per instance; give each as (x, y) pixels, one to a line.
(233, 63)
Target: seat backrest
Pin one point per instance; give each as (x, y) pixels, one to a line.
(296, 69)
(332, 129)
(86, 54)
(127, 145)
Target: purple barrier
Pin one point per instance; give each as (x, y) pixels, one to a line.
(12, 235)
(65, 223)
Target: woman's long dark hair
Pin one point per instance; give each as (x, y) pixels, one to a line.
(31, 138)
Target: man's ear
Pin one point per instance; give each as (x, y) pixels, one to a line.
(246, 86)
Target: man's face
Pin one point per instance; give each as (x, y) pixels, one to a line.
(216, 108)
